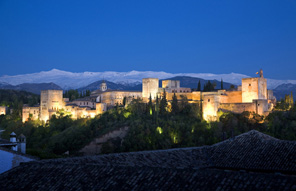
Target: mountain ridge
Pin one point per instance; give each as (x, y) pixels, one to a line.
(76, 80)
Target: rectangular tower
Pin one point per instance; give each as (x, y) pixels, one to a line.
(253, 88)
(150, 87)
(50, 101)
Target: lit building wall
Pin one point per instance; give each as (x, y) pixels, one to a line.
(3, 110)
(150, 87)
(210, 106)
(112, 98)
(254, 88)
(250, 88)
(84, 103)
(231, 97)
(237, 107)
(30, 112)
(50, 101)
(171, 84)
(101, 108)
(262, 88)
(261, 106)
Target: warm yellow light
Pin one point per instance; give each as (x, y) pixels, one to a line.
(209, 113)
(159, 130)
(92, 115)
(127, 114)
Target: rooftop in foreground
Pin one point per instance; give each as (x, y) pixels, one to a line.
(251, 161)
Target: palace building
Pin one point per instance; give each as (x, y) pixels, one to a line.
(251, 96)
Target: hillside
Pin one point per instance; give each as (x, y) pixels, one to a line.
(31, 87)
(15, 97)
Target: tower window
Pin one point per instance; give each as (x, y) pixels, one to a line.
(249, 84)
(209, 100)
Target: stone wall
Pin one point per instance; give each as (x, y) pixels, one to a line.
(112, 98)
(237, 107)
(249, 89)
(210, 106)
(261, 106)
(3, 110)
(84, 103)
(30, 111)
(262, 88)
(50, 100)
(170, 84)
(150, 87)
(231, 97)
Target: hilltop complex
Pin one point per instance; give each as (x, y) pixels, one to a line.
(251, 96)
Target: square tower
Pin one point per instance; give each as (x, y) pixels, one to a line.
(150, 87)
(50, 101)
(253, 88)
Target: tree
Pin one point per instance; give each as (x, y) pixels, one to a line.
(150, 106)
(222, 84)
(198, 86)
(124, 101)
(175, 107)
(232, 87)
(163, 104)
(209, 86)
(291, 100)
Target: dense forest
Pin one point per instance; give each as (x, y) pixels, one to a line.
(152, 125)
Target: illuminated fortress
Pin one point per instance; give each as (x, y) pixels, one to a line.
(251, 96)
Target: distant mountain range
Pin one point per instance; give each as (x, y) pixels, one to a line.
(185, 81)
(69, 80)
(285, 89)
(58, 79)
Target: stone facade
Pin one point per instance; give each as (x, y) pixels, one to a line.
(3, 110)
(254, 88)
(173, 86)
(253, 97)
(150, 86)
(50, 102)
(30, 113)
(114, 97)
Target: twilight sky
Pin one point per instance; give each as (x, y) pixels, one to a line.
(213, 36)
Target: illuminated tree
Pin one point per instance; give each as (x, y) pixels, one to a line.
(150, 106)
(291, 100)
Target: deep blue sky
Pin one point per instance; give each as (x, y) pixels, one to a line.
(173, 36)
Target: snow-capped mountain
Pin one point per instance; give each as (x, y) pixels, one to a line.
(68, 80)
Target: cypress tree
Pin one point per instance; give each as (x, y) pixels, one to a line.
(287, 99)
(198, 86)
(222, 84)
(291, 100)
(175, 107)
(157, 103)
(163, 103)
(150, 105)
(124, 101)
